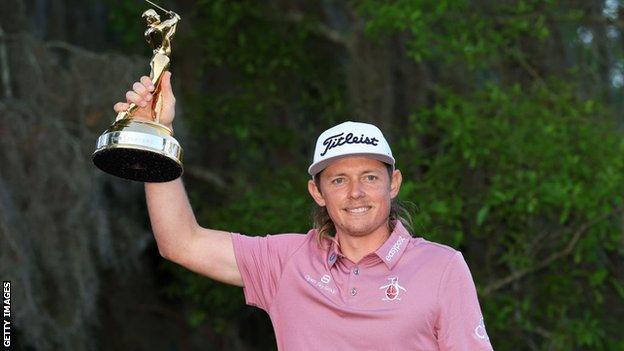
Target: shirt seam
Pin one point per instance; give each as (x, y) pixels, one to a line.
(279, 282)
(442, 277)
(236, 245)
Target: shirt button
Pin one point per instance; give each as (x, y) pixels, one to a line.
(332, 258)
(353, 291)
(356, 271)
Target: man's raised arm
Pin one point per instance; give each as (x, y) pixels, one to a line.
(178, 235)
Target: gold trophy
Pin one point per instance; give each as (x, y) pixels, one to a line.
(142, 150)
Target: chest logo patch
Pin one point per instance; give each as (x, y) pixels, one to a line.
(392, 289)
(322, 284)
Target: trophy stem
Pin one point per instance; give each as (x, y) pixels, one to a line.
(127, 113)
(159, 64)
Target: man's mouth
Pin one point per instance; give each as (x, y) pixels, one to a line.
(359, 209)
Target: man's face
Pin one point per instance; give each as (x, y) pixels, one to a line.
(357, 192)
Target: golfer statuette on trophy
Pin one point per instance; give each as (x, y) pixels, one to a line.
(144, 150)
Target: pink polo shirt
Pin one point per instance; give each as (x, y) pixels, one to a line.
(410, 294)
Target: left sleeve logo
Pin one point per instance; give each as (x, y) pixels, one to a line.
(480, 331)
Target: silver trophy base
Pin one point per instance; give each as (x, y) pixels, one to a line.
(139, 150)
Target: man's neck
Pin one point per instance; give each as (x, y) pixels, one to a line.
(356, 247)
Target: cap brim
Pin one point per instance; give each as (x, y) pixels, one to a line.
(317, 167)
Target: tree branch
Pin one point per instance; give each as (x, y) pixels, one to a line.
(205, 175)
(318, 28)
(500, 283)
(57, 44)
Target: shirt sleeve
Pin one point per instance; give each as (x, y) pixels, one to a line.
(261, 261)
(460, 323)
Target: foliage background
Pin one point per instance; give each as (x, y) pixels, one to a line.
(504, 117)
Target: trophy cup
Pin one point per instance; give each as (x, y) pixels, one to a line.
(144, 150)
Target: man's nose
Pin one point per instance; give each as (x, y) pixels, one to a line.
(356, 190)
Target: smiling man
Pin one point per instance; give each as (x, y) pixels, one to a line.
(357, 281)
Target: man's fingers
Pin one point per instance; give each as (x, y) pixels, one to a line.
(166, 80)
(140, 95)
(135, 98)
(140, 89)
(166, 86)
(147, 82)
(121, 106)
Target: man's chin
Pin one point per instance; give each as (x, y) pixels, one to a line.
(358, 230)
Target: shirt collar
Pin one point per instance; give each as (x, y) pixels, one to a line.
(333, 253)
(390, 252)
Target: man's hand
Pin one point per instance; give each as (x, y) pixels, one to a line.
(142, 95)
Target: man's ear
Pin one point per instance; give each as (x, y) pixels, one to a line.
(395, 183)
(315, 193)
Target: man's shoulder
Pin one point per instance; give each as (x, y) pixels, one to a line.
(292, 237)
(280, 246)
(291, 241)
(431, 249)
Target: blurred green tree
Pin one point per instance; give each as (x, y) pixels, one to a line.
(502, 116)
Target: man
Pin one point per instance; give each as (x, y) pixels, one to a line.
(358, 281)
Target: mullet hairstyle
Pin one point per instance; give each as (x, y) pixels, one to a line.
(325, 229)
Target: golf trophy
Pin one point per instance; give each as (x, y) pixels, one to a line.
(144, 150)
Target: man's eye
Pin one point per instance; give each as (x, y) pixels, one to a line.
(338, 181)
(371, 178)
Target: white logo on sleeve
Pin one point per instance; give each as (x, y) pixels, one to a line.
(480, 331)
(325, 279)
(392, 290)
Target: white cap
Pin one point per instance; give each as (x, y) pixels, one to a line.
(350, 139)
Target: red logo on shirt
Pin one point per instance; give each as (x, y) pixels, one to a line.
(392, 290)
